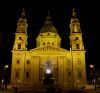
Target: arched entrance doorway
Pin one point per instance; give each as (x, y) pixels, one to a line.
(48, 72)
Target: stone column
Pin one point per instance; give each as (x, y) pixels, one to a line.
(60, 70)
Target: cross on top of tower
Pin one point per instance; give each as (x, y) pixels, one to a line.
(23, 13)
(73, 13)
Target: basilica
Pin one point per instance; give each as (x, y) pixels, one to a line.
(48, 63)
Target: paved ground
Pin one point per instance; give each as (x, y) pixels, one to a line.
(44, 91)
(8, 91)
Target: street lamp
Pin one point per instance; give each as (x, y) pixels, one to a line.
(78, 82)
(92, 72)
(5, 77)
(6, 66)
(91, 66)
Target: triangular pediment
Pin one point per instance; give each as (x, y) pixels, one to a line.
(49, 49)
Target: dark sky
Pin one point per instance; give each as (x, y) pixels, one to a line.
(87, 12)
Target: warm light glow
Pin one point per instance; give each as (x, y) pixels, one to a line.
(94, 80)
(48, 71)
(6, 66)
(78, 81)
(2, 80)
(91, 66)
(18, 81)
(75, 29)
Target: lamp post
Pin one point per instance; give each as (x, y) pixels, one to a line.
(78, 82)
(91, 66)
(6, 66)
(92, 72)
(93, 75)
(5, 76)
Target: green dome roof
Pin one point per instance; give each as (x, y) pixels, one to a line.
(48, 26)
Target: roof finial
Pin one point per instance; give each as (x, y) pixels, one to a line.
(23, 13)
(74, 14)
(48, 17)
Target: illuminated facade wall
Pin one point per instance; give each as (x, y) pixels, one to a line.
(30, 66)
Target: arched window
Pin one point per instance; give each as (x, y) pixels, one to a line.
(77, 46)
(27, 75)
(48, 43)
(43, 43)
(76, 38)
(69, 75)
(19, 46)
(20, 38)
(18, 61)
(28, 62)
(53, 43)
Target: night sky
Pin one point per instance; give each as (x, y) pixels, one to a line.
(87, 13)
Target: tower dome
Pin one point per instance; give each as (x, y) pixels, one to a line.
(48, 26)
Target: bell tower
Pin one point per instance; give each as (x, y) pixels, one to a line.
(77, 52)
(19, 50)
(48, 35)
(21, 33)
(75, 33)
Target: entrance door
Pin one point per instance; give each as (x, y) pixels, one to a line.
(48, 77)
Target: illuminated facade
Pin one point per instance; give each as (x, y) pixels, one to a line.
(48, 63)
